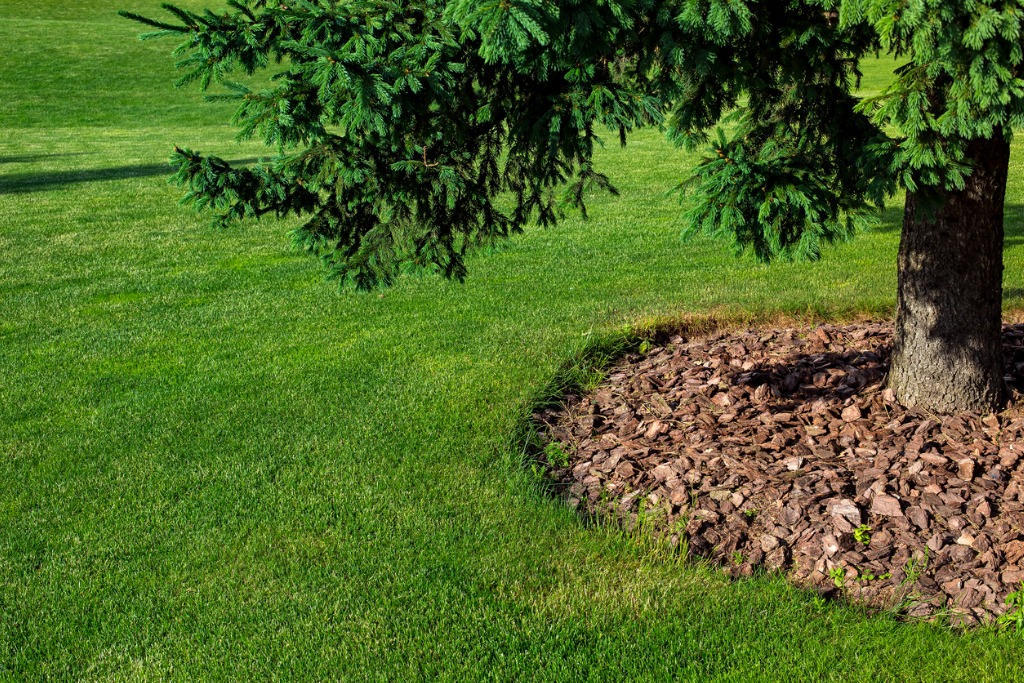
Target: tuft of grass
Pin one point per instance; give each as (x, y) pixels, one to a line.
(862, 534)
(1013, 618)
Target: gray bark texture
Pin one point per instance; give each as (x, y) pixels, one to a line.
(947, 349)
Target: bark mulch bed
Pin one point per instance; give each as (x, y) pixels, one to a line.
(782, 449)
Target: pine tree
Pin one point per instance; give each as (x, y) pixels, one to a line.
(408, 132)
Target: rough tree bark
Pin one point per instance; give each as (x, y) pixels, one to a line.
(947, 354)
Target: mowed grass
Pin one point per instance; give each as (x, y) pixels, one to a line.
(213, 465)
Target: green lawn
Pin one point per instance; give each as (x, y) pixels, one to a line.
(213, 465)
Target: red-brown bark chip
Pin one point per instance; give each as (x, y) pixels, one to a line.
(783, 449)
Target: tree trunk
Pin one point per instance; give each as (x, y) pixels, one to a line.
(947, 353)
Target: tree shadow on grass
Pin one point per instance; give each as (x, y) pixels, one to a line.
(1013, 225)
(1013, 238)
(1013, 296)
(50, 180)
(32, 158)
(891, 220)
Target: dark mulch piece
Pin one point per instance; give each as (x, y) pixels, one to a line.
(782, 449)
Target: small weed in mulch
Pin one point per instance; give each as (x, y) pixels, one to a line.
(783, 449)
